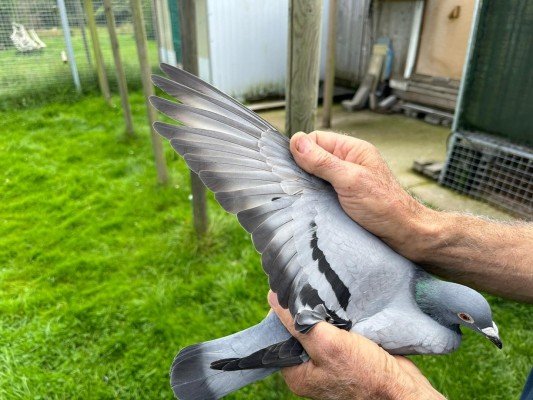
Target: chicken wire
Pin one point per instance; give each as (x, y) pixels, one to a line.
(33, 55)
(491, 169)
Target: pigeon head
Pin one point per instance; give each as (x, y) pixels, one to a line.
(455, 305)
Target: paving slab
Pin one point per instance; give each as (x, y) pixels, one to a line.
(402, 140)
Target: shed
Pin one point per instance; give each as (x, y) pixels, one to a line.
(491, 151)
(242, 45)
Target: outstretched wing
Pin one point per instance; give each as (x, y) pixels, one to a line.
(313, 253)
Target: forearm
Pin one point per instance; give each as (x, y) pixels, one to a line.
(492, 256)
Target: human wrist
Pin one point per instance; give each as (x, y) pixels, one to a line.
(406, 386)
(416, 225)
(429, 231)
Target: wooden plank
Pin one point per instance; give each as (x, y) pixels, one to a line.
(352, 44)
(394, 19)
(329, 82)
(97, 50)
(444, 37)
(148, 89)
(414, 39)
(303, 65)
(427, 100)
(433, 87)
(189, 50)
(266, 105)
(432, 92)
(436, 80)
(119, 68)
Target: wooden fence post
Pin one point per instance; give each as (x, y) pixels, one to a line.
(97, 50)
(190, 63)
(303, 65)
(121, 75)
(329, 81)
(148, 89)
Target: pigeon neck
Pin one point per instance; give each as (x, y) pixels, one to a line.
(431, 295)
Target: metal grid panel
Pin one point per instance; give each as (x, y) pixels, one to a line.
(491, 169)
(31, 73)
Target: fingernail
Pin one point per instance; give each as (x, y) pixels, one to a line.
(304, 145)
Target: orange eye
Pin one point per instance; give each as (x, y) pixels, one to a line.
(465, 317)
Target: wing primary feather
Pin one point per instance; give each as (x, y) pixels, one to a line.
(199, 85)
(241, 200)
(197, 99)
(252, 218)
(198, 118)
(170, 132)
(220, 164)
(183, 147)
(277, 225)
(236, 180)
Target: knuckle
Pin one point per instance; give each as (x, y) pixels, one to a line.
(324, 161)
(368, 147)
(356, 174)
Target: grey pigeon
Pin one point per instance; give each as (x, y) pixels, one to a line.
(322, 265)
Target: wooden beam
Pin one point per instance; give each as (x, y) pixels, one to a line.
(97, 50)
(148, 89)
(119, 68)
(303, 65)
(189, 48)
(329, 81)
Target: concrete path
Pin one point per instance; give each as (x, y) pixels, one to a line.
(402, 140)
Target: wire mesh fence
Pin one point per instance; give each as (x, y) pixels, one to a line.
(34, 61)
(491, 169)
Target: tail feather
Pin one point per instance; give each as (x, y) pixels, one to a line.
(193, 378)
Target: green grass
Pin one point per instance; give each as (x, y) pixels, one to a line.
(40, 76)
(102, 279)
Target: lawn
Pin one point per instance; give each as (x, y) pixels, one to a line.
(102, 279)
(38, 76)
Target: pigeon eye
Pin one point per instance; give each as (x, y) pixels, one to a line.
(465, 317)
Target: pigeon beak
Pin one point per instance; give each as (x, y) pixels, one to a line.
(491, 333)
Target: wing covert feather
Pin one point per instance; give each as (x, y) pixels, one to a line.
(315, 256)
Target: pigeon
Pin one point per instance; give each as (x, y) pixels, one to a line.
(322, 265)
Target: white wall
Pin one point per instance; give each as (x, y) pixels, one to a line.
(246, 49)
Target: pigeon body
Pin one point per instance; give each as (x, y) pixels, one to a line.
(322, 265)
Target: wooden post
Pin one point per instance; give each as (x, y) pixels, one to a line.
(303, 65)
(148, 89)
(329, 81)
(121, 75)
(97, 50)
(190, 63)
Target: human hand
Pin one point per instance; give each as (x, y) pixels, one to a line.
(367, 190)
(345, 365)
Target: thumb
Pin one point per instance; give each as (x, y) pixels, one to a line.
(314, 159)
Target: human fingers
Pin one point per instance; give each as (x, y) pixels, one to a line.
(321, 341)
(318, 161)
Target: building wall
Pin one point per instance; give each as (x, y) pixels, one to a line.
(242, 45)
(353, 40)
(444, 38)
